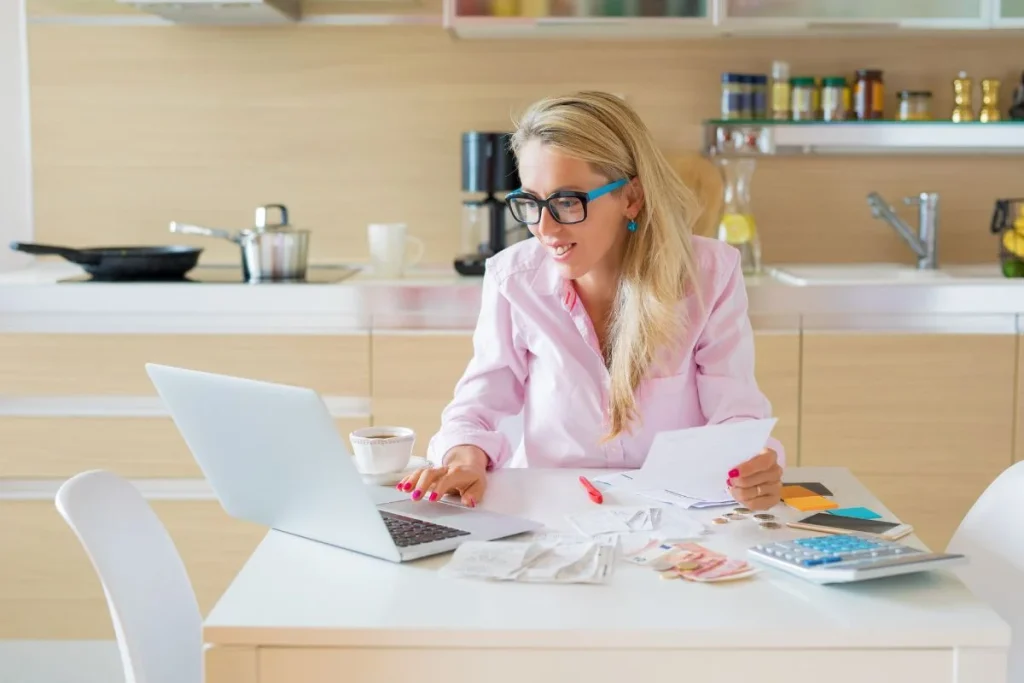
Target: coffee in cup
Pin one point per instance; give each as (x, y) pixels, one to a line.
(382, 450)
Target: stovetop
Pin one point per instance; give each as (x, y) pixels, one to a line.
(230, 275)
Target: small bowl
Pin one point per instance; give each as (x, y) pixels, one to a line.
(381, 450)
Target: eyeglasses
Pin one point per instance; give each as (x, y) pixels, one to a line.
(565, 206)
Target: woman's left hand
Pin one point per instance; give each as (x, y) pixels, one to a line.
(757, 483)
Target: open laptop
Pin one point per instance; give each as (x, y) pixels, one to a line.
(273, 456)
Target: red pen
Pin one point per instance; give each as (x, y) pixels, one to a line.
(594, 494)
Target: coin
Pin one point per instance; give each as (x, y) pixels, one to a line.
(734, 515)
(764, 516)
(742, 511)
(770, 525)
(720, 520)
(670, 574)
(686, 566)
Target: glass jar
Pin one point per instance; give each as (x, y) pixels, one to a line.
(835, 99)
(732, 96)
(759, 97)
(915, 105)
(804, 105)
(869, 95)
(737, 226)
(781, 95)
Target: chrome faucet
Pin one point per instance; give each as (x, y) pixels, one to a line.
(925, 242)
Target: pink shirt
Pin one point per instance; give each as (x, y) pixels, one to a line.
(535, 353)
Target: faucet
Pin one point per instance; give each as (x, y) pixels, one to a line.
(924, 243)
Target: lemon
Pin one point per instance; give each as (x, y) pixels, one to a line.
(1018, 225)
(1014, 243)
(738, 228)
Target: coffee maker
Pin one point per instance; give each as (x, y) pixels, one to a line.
(488, 168)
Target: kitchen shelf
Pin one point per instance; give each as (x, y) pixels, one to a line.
(604, 28)
(786, 138)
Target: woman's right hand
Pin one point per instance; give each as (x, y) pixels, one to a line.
(464, 474)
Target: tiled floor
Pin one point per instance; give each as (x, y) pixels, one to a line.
(59, 661)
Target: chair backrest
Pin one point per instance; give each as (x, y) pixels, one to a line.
(992, 537)
(152, 605)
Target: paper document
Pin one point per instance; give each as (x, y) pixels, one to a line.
(695, 462)
(610, 520)
(625, 482)
(549, 558)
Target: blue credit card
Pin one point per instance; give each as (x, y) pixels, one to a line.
(858, 513)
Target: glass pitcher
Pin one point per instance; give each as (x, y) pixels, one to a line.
(737, 226)
(476, 227)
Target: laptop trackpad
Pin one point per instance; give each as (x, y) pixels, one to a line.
(429, 511)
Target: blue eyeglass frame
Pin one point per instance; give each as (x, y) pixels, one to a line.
(584, 197)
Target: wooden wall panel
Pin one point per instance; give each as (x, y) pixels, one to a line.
(134, 127)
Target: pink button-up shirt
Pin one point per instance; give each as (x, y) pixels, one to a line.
(535, 353)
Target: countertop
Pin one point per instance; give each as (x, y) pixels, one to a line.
(436, 298)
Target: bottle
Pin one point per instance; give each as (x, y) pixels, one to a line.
(989, 101)
(780, 91)
(835, 99)
(869, 95)
(759, 97)
(1017, 106)
(732, 97)
(737, 226)
(805, 104)
(962, 93)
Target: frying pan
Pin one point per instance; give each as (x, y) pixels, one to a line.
(123, 263)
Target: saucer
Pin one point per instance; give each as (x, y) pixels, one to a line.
(392, 478)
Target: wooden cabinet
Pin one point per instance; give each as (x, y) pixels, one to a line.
(114, 364)
(777, 369)
(414, 377)
(134, 447)
(925, 420)
(861, 12)
(48, 589)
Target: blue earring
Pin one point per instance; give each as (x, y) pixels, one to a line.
(631, 226)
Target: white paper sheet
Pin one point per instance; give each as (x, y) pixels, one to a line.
(696, 462)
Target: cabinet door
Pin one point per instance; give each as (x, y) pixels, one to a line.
(858, 11)
(1009, 12)
(413, 378)
(777, 368)
(924, 420)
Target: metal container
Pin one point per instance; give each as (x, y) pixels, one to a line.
(270, 252)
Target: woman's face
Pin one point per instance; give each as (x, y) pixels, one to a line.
(578, 248)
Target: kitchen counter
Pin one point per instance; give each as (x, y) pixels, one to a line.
(437, 298)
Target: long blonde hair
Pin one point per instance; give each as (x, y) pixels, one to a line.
(604, 131)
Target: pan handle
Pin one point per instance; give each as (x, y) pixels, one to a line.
(187, 229)
(73, 255)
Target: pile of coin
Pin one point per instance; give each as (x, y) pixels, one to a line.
(764, 519)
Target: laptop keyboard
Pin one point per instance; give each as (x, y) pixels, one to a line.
(407, 531)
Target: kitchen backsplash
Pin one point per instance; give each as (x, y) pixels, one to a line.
(135, 127)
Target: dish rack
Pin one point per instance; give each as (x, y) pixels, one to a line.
(1008, 223)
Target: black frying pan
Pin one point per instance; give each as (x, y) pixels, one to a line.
(124, 263)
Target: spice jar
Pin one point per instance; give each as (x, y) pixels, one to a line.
(759, 97)
(732, 96)
(915, 105)
(804, 106)
(869, 95)
(781, 96)
(835, 99)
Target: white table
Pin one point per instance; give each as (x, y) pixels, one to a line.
(304, 611)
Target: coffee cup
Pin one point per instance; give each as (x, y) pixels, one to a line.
(389, 249)
(382, 450)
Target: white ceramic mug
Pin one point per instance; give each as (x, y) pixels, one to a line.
(382, 450)
(389, 249)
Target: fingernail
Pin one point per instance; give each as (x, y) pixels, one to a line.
(734, 473)
(728, 482)
(432, 497)
(417, 494)
(407, 486)
(400, 486)
(472, 503)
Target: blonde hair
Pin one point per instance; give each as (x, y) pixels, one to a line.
(604, 131)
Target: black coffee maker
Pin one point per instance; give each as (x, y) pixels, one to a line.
(488, 168)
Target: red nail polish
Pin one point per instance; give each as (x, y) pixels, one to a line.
(432, 497)
(407, 486)
(417, 494)
(472, 503)
(400, 486)
(734, 473)
(728, 482)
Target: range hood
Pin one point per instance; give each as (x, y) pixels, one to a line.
(229, 12)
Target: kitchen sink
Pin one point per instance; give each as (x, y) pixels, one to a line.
(883, 273)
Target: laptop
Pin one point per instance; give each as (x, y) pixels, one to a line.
(273, 455)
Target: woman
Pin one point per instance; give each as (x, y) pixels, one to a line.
(615, 323)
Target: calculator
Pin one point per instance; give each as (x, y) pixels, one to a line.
(846, 558)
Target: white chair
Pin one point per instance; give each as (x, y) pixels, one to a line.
(152, 605)
(992, 537)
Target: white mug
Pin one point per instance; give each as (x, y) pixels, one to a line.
(382, 450)
(389, 249)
